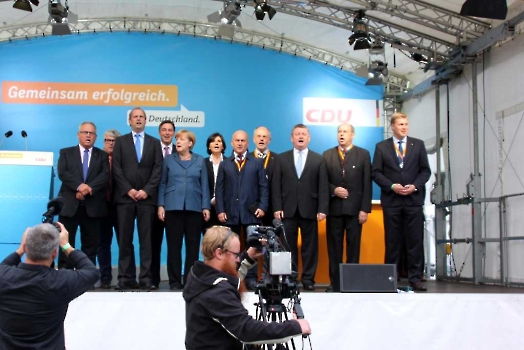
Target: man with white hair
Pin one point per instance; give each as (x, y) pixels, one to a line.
(33, 296)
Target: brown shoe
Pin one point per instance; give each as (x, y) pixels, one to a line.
(418, 287)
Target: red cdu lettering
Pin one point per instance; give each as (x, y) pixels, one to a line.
(311, 117)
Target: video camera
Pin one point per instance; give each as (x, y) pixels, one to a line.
(277, 260)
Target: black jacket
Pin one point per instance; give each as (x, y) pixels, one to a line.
(216, 318)
(34, 301)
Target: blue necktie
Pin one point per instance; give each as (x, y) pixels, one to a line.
(299, 164)
(400, 151)
(137, 147)
(85, 163)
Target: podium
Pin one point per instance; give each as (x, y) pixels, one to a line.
(25, 189)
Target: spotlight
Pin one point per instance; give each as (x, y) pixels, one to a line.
(378, 70)
(24, 5)
(59, 17)
(261, 8)
(360, 35)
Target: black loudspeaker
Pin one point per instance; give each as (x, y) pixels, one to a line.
(494, 9)
(368, 278)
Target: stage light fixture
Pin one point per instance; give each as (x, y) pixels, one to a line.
(378, 70)
(261, 8)
(360, 36)
(25, 5)
(59, 17)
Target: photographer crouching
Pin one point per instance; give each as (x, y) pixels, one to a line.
(33, 296)
(215, 316)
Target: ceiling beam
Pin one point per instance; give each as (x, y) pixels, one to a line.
(466, 54)
(394, 84)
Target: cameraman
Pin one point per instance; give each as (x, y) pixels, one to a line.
(215, 316)
(34, 297)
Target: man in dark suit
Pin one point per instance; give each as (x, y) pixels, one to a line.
(300, 194)
(166, 131)
(241, 191)
(401, 169)
(262, 139)
(349, 176)
(109, 222)
(84, 172)
(137, 167)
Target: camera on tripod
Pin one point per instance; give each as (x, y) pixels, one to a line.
(276, 259)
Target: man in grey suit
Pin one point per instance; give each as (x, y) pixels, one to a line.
(84, 172)
(300, 198)
(349, 175)
(137, 167)
(401, 169)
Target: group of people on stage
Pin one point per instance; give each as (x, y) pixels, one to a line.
(166, 186)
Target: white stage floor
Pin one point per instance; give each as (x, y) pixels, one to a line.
(156, 320)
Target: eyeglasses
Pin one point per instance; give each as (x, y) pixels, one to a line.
(87, 132)
(109, 140)
(236, 254)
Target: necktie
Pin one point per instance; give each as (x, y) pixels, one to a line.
(261, 155)
(137, 147)
(240, 158)
(85, 163)
(299, 165)
(166, 151)
(401, 152)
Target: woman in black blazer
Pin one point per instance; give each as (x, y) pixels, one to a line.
(215, 148)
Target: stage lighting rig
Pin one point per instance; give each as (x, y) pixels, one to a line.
(227, 17)
(60, 17)
(378, 71)
(261, 8)
(360, 36)
(25, 5)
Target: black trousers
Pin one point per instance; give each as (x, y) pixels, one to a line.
(309, 251)
(182, 224)
(89, 235)
(405, 223)
(337, 226)
(157, 237)
(106, 240)
(126, 215)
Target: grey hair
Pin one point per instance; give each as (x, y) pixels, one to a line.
(113, 132)
(84, 123)
(41, 241)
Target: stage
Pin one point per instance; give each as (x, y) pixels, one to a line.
(473, 317)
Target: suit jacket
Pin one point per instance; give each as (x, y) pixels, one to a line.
(129, 174)
(34, 300)
(184, 188)
(238, 191)
(71, 174)
(386, 171)
(357, 180)
(309, 194)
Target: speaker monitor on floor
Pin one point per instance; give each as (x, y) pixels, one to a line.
(368, 278)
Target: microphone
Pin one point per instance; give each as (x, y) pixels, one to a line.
(24, 135)
(54, 207)
(6, 135)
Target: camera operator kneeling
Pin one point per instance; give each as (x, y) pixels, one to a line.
(215, 316)
(33, 296)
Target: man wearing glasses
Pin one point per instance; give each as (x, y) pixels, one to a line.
(349, 176)
(84, 172)
(215, 316)
(109, 223)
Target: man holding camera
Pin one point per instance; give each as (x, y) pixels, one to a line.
(215, 316)
(34, 297)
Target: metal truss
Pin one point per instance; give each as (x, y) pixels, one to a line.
(431, 16)
(394, 84)
(461, 28)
